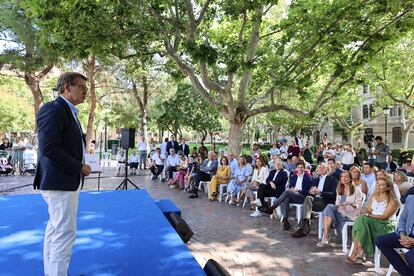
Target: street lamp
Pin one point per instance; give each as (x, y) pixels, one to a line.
(386, 110)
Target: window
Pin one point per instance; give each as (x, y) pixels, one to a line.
(371, 110)
(396, 135)
(365, 88)
(365, 112)
(395, 111)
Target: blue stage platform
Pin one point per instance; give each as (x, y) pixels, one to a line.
(119, 233)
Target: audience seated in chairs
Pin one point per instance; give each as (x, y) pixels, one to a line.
(347, 207)
(274, 187)
(384, 175)
(240, 178)
(157, 165)
(207, 170)
(322, 193)
(369, 176)
(357, 179)
(222, 176)
(299, 186)
(379, 220)
(402, 238)
(172, 163)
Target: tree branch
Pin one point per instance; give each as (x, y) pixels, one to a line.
(207, 82)
(44, 72)
(250, 55)
(203, 12)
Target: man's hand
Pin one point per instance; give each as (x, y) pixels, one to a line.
(86, 169)
(273, 185)
(407, 242)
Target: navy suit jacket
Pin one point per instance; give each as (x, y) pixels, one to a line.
(186, 149)
(280, 181)
(306, 183)
(328, 192)
(60, 152)
(172, 145)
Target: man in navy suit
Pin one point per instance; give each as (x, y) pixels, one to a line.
(402, 238)
(172, 144)
(322, 193)
(184, 147)
(60, 167)
(299, 187)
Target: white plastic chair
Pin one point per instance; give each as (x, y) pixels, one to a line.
(106, 159)
(345, 230)
(221, 190)
(298, 210)
(205, 185)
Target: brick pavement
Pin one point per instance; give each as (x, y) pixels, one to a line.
(243, 245)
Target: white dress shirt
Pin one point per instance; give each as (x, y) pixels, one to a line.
(142, 145)
(299, 181)
(157, 159)
(321, 182)
(163, 148)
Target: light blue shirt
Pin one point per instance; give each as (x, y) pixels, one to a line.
(233, 166)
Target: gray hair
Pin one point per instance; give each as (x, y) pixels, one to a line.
(67, 78)
(402, 175)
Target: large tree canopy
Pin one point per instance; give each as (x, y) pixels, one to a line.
(243, 57)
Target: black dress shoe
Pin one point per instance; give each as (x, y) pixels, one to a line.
(193, 196)
(286, 225)
(298, 234)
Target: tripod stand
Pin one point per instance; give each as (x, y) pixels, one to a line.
(124, 183)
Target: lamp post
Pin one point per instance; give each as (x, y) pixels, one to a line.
(386, 110)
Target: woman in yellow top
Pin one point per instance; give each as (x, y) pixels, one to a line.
(222, 176)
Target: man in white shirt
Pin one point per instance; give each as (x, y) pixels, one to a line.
(171, 164)
(142, 147)
(347, 157)
(328, 153)
(163, 147)
(157, 165)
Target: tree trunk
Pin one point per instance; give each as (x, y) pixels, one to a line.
(235, 138)
(90, 68)
(33, 83)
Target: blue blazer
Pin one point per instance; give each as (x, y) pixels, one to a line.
(306, 183)
(60, 153)
(406, 222)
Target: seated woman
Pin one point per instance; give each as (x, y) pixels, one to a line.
(260, 174)
(357, 180)
(222, 176)
(133, 162)
(121, 161)
(181, 172)
(379, 220)
(240, 179)
(382, 174)
(347, 206)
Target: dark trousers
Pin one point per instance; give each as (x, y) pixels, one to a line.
(201, 176)
(382, 165)
(311, 203)
(265, 191)
(386, 243)
(160, 169)
(170, 171)
(286, 198)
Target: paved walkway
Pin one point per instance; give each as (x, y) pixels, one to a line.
(243, 245)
